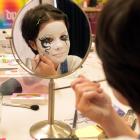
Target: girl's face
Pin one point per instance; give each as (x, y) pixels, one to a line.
(53, 41)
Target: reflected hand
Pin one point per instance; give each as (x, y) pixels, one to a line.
(91, 101)
(43, 66)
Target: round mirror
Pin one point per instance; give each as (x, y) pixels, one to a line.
(52, 38)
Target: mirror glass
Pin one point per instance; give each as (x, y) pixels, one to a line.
(51, 38)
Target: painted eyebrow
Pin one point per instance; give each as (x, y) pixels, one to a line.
(45, 36)
(65, 32)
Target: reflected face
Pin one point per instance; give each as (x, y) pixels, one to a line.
(53, 41)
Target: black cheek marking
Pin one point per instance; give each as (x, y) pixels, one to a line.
(46, 51)
(47, 48)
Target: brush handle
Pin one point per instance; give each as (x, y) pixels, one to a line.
(98, 81)
(16, 105)
(28, 94)
(75, 119)
(37, 64)
(74, 124)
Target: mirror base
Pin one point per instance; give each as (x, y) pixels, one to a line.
(45, 130)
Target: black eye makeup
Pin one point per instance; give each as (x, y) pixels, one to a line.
(64, 37)
(45, 41)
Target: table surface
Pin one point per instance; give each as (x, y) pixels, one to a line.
(16, 122)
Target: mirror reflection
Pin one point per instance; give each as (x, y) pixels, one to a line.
(47, 44)
(45, 30)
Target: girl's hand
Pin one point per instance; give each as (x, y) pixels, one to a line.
(43, 66)
(91, 101)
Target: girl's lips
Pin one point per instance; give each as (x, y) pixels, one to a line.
(59, 54)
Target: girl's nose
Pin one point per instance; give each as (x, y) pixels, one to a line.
(58, 45)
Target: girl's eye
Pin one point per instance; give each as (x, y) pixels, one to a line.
(44, 44)
(46, 41)
(64, 37)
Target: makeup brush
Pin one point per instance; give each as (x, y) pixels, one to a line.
(98, 81)
(33, 107)
(38, 61)
(37, 64)
(74, 124)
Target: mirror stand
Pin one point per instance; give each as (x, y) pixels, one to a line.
(50, 128)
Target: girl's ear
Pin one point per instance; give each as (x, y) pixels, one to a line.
(32, 45)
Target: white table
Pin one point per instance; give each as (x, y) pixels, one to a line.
(16, 122)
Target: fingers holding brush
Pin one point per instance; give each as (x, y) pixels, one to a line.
(42, 65)
(35, 62)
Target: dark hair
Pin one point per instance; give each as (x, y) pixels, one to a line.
(35, 17)
(118, 46)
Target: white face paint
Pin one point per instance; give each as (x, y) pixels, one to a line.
(53, 41)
